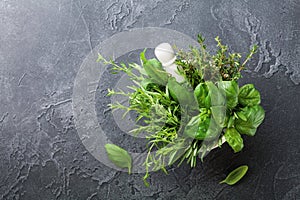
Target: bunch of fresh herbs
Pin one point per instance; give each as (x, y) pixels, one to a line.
(185, 120)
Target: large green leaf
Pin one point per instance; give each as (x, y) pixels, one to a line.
(202, 128)
(180, 93)
(249, 96)
(197, 127)
(231, 90)
(216, 96)
(254, 117)
(219, 114)
(201, 94)
(154, 70)
(214, 130)
(119, 156)
(234, 139)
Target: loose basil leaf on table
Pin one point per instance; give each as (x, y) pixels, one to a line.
(236, 175)
(231, 91)
(119, 156)
(234, 139)
(254, 115)
(248, 95)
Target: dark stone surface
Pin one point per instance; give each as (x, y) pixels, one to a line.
(42, 45)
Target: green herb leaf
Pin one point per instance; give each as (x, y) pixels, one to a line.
(197, 127)
(147, 83)
(214, 130)
(119, 156)
(230, 122)
(249, 96)
(231, 90)
(202, 127)
(254, 117)
(146, 183)
(154, 70)
(241, 116)
(217, 98)
(236, 175)
(193, 130)
(180, 93)
(143, 57)
(201, 94)
(234, 139)
(219, 114)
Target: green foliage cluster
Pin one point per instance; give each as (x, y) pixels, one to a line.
(186, 120)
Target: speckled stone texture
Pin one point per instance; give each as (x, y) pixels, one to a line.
(42, 45)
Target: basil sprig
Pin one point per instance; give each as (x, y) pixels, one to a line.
(226, 106)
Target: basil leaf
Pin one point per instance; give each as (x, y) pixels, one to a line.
(180, 93)
(231, 90)
(145, 179)
(241, 116)
(219, 114)
(234, 139)
(214, 130)
(217, 98)
(191, 129)
(254, 117)
(201, 94)
(119, 156)
(202, 128)
(249, 96)
(197, 127)
(208, 94)
(236, 175)
(147, 84)
(230, 122)
(155, 71)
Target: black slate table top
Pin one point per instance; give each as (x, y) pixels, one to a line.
(43, 45)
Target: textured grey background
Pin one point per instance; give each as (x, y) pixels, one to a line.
(42, 45)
